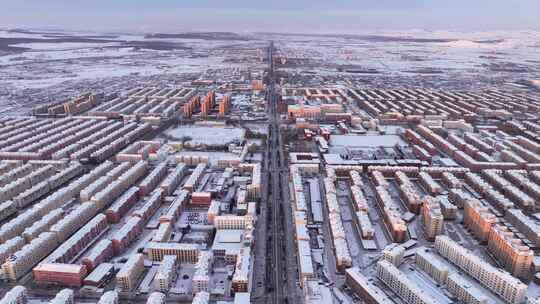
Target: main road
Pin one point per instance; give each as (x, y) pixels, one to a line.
(283, 271)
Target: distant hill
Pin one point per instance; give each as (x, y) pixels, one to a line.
(10, 44)
(198, 35)
(47, 34)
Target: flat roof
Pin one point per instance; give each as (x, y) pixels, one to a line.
(432, 258)
(99, 272)
(229, 236)
(368, 141)
(180, 246)
(468, 286)
(59, 267)
(242, 298)
(228, 239)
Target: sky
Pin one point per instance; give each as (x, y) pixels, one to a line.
(307, 16)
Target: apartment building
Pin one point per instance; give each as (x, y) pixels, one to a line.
(394, 253)
(156, 298)
(163, 233)
(510, 251)
(431, 264)
(406, 289)
(462, 289)
(166, 273)
(201, 277)
(240, 279)
(185, 253)
(128, 275)
(433, 218)
(29, 255)
(497, 280)
(368, 291)
(16, 295)
(229, 222)
(478, 218)
(109, 297)
(201, 298)
(525, 225)
(64, 296)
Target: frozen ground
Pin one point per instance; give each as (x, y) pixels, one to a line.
(444, 59)
(372, 141)
(47, 70)
(42, 67)
(207, 135)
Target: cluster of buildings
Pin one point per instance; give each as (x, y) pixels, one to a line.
(496, 280)
(93, 217)
(419, 104)
(443, 159)
(149, 104)
(69, 138)
(457, 285)
(92, 194)
(206, 108)
(74, 106)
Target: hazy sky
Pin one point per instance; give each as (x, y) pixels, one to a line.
(274, 15)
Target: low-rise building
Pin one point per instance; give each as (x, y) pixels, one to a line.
(240, 280)
(201, 277)
(228, 221)
(227, 244)
(59, 273)
(185, 253)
